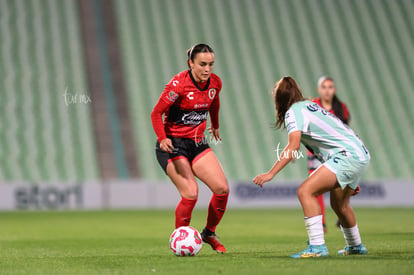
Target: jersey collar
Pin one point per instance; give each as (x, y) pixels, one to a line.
(196, 84)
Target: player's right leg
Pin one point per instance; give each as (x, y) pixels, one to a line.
(340, 203)
(180, 173)
(322, 206)
(320, 197)
(322, 180)
(178, 169)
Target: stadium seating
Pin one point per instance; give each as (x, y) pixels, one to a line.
(44, 135)
(366, 46)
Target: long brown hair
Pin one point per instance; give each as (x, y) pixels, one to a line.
(286, 93)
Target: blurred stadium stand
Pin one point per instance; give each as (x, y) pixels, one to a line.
(366, 46)
(41, 58)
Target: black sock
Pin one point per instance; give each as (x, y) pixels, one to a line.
(208, 232)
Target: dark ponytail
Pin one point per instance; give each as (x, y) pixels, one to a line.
(194, 50)
(338, 109)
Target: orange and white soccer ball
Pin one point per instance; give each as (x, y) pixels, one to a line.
(185, 241)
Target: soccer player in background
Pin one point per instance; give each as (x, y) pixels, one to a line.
(182, 150)
(344, 158)
(329, 101)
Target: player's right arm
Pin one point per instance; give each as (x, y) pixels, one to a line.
(166, 99)
(294, 124)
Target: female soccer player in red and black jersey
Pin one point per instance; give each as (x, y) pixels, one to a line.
(182, 150)
(329, 101)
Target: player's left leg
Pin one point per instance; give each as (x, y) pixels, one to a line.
(340, 202)
(321, 181)
(208, 169)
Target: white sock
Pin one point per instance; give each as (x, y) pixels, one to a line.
(314, 228)
(351, 235)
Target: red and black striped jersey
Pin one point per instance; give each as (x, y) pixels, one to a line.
(186, 104)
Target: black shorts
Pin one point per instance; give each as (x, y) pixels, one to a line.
(183, 148)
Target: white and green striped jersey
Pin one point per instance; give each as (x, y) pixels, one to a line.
(323, 133)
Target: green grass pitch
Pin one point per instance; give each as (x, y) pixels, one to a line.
(136, 242)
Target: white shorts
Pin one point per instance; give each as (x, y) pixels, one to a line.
(347, 169)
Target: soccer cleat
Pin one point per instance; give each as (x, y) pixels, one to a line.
(312, 251)
(353, 250)
(212, 239)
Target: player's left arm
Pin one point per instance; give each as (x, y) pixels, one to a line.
(214, 115)
(287, 155)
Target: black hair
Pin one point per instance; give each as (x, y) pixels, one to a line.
(338, 109)
(194, 50)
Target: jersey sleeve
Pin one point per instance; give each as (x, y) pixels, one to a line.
(215, 107)
(166, 99)
(294, 120)
(171, 91)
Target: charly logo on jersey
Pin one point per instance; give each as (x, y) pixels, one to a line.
(172, 96)
(315, 107)
(312, 107)
(212, 93)
(194, 118)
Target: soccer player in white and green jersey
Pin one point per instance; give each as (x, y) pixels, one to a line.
(344, 158)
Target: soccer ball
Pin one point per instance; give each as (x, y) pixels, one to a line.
(185, 241)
